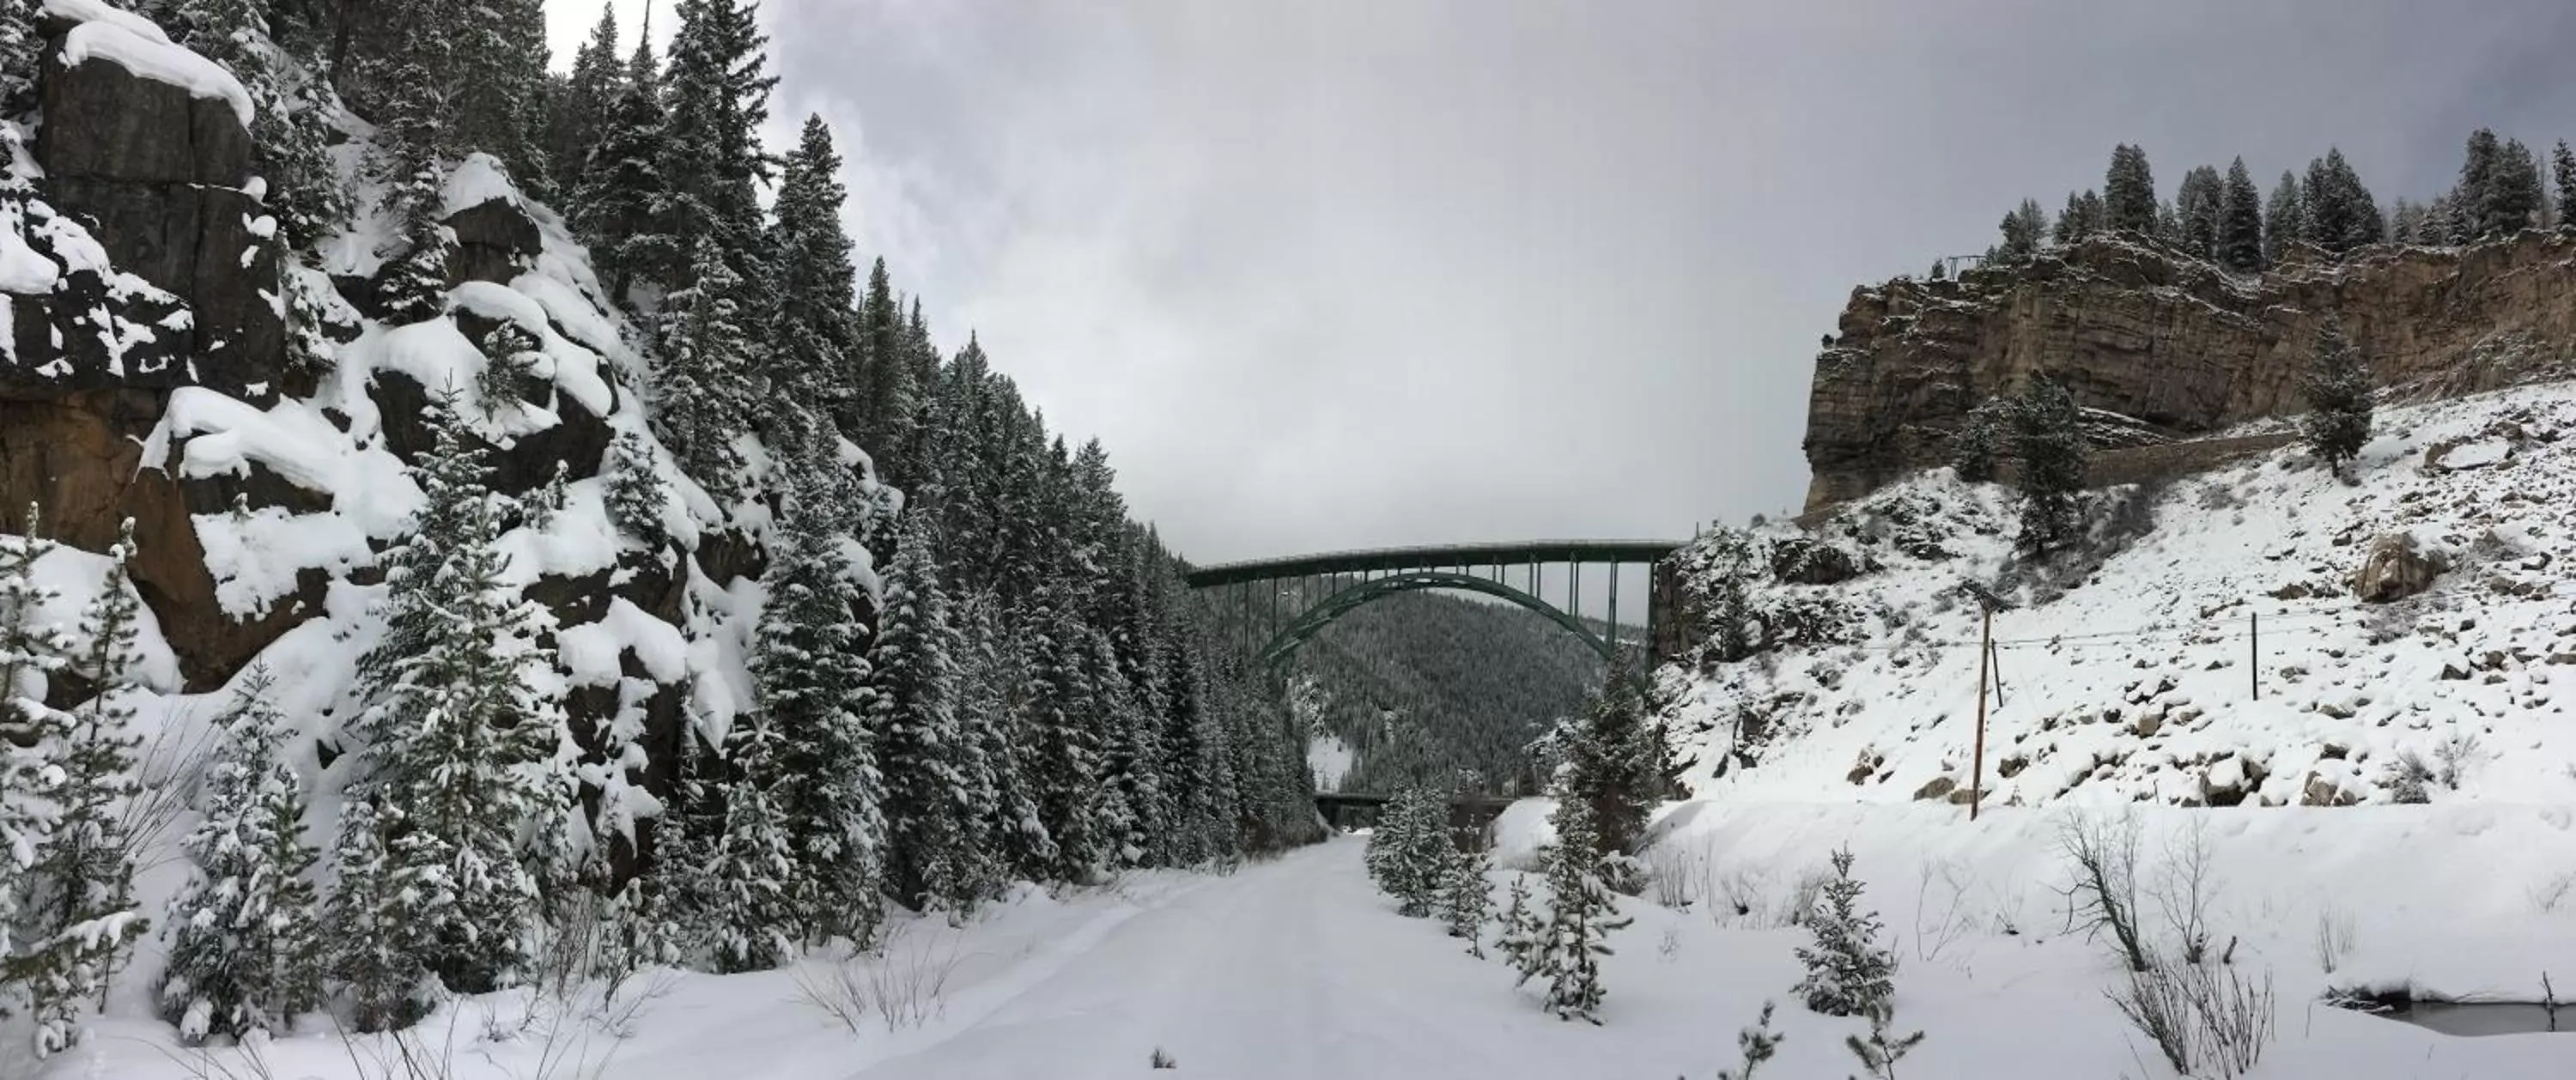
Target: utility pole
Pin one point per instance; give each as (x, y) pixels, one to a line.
(2254, 653)
(1985, 659)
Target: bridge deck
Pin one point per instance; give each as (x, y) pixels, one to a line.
(1412, 558)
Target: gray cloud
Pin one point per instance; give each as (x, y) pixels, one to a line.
(1348, 273)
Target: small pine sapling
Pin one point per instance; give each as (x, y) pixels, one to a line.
(1465, 902)
(1523, 936)
(1880, 1052)
(1756, 1044)
(1581, 916)
(1848, 972)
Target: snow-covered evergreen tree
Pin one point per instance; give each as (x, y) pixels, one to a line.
(19, 47)
(621, 206)
(2075, 222)
(993, 683)
(2338, 388)
(814, 323)
(84, 868)
(2048, 437)
(702, 387)
(2285, 219)
(1064, 773)
(888, 399)
(1581, 916)
(760, 888)
(2239, 239)
(577, 112)
(510, 358)
(413, 285)
(2514, 193)
(2196, 208)
(1467, 900)
(1523, 935)
(2129, 192)
(813, 680)
(718, 100)
(1848, 972)
(636, 493)
(455, 736)
(1972, 450)
(245, 935)
(2562, 170)
(1615, 761)
(922, 745)
(366, 933)
(2340, 213)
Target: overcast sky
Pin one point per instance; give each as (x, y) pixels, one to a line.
(1342, 273)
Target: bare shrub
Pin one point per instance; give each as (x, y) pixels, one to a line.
(2456, 755)
(904, 983)
(2548, 896)
(1802, 898)
(1676, 877)
(172, 769)
(2333, 938)
(2103, 857)
(2208, 1020)
(2184, 887)
(2406, 786)
(1950, 920)
(1161, 1060)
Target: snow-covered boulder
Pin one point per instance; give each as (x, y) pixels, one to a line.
(2395, 567)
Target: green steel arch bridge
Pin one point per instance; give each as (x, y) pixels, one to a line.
(1283, 603)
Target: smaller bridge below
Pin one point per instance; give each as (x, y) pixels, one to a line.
(1471, 817)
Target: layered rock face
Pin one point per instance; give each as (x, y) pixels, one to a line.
(2167, 348)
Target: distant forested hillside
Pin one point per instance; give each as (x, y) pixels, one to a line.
(1421, 685)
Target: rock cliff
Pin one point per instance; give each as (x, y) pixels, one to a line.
(2166, 348)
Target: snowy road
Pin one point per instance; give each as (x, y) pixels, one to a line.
(1293, 968)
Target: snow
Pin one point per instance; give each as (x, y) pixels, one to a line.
(590, 651)
(479, 179)
(2476, 455)
(1297, 968)
(150, 56)
(22, 269)
(85, 11)
(1330, 759)
(2140, 682)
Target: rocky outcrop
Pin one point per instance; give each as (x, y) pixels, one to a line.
(2167, 348)
(157, 175)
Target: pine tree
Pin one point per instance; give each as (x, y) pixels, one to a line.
(923, 746)
(511, 356)
(2340, 213)
(1466, 900)
(84, 868)
(20, 49)
(2337, 388)
(761, 887)
(621, 206)
(1880, 1052)
(1848, 972)
(1754, 1045)
(702, 388)
(1580, 915)
(2240, 222)
(1523, 938)
(718, 101)
(1972, 451)
(993, 682)
(814, 325)
(577, 113)
(1615, 763)
(413, 285)
(814, 687)
(2284, 219)
(2474, 191)
(2196, 207)
(245, 947)
(2562, 169)
(1064, 775)
(2514, 195)
(637, 494)
(2023, 229)
(2129, 192)
(455, 737)
(366, 936)
(888, 396)
(30, 651)
(499, 66)
(2081, 218)
(2048, 438)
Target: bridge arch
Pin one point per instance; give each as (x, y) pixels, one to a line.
(1305, 626)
